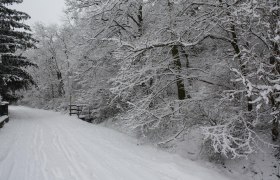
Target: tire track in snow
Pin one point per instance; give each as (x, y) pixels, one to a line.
(81, 160)
(8, 159)
(40, 155)
(101, 161)
(70, 155)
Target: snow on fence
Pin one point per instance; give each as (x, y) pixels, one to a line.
(4, 112)
(3, 120)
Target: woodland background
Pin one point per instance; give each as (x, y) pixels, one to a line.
(167, 71)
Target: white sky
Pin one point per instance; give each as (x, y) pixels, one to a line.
(45, 11)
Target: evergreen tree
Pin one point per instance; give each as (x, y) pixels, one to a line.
(14, 39)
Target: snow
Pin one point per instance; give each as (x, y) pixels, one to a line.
(4, 102)
(44, 145)
(3, 118)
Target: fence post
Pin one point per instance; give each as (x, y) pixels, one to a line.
(4, 111)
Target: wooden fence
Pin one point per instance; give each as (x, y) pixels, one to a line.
(4, 112)
(82, 111)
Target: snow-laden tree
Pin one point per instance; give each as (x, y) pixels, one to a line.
(155, 76)
(151, 42)
(50, 51)
(14, 39)
(252, 28)
(55, 58)
(100, 26)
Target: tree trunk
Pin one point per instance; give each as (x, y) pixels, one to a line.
(60, 86)
(237, 52)
(274, 17)
(187, 65)
(242, 66)
(179, 79)
(140, 20)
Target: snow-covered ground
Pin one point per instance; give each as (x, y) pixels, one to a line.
(45, 145)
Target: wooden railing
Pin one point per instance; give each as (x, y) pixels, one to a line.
(4, 112)
(82, 111)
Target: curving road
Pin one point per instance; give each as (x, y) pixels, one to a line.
(45, 145)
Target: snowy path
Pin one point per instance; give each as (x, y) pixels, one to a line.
(44, 145)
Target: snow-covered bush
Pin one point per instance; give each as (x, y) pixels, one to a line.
(105, 107)
(235, 138)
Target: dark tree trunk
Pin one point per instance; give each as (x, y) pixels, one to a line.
(179, 79)
(140, 20)
(186, 56)
(242, 66)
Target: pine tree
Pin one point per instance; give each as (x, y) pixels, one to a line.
(14, 39)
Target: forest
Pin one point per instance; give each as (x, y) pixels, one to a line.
(161, 70)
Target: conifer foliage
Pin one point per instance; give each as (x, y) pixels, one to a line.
(14, 39)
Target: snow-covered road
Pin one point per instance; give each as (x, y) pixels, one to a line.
(44, 145)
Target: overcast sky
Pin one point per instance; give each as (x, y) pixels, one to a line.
(46, 11)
